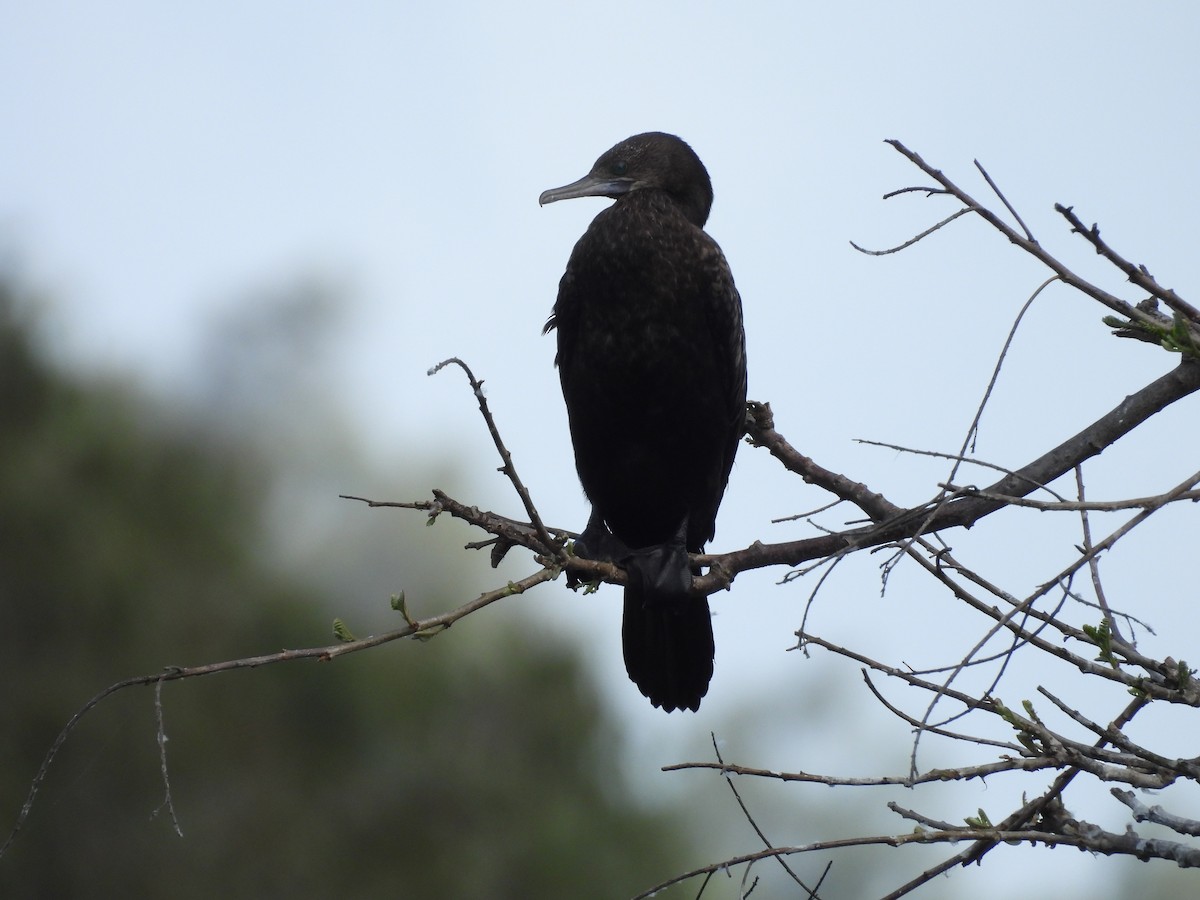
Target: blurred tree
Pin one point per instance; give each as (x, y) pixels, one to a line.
(128, 542)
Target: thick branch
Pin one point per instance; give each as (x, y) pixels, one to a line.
(1181, 381)
(1131, 412)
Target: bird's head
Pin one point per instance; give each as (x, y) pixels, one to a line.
(646, 161)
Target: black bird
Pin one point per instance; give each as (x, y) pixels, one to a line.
(652, 358)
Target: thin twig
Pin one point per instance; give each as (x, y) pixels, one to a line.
(162, 756)
(920, 818)
(1094, 561)
(1004, 200)
(812, 512)
(972, 431)
(924, 234)
(753, 824)
(1031, 247)
(935, 729)
(966, 490)
(552, 547)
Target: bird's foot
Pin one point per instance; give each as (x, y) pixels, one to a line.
(659, 572)
(600, 544)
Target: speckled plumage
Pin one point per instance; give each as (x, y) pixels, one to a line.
(651, 354)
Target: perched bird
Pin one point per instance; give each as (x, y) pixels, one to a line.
(652, 358)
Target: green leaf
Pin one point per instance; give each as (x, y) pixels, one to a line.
(341, 632)
(979, 821)
(1183, 675)
(1101, 636)
(400, 605)
(1030, 711)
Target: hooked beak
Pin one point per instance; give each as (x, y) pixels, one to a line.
(590, 185)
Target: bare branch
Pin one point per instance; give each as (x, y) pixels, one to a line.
(1004, 200)
(1157, 814)
(973, 430)
(1078, 834)
(933, 776)
(1029, 246)
(761, 433)
(749, 818)
(1180, 382)
(1072, 505)
(416, 628)
(924, 234)
(1136, 274)
(550, 546)
(161, 735)
(893, 525)
(920, 818)
(1094, 561)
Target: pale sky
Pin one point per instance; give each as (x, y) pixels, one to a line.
(157, 162)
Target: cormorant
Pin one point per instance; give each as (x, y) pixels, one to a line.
(652, 358)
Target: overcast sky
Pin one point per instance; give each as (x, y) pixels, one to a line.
(160, 162)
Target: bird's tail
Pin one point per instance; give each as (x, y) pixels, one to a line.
(665, 631)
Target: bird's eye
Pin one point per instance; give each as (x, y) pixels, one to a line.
(619, 168)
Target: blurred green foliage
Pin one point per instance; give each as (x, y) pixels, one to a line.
(457, 768)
